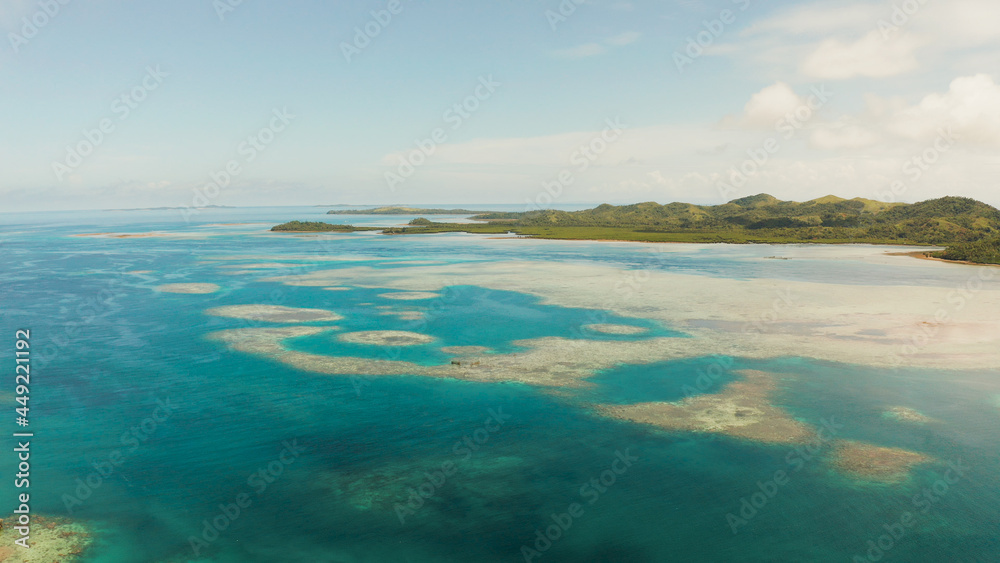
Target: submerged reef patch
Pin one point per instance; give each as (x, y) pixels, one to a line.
(741, 410)
(385, 338)
(906, 414)
(52, 539)
(875, 463)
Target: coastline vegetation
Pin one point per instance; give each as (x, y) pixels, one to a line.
(968, 228)
(317, 227)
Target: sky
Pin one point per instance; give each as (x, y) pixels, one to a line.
(109, 104)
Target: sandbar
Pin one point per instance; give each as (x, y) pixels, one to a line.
(615, 329)
(191, 288)
(410, 295)
(274, 313)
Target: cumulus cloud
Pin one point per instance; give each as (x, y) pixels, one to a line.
(836, 40)
(969, 111)
(872, 56)
(970, 107)
(770, 104)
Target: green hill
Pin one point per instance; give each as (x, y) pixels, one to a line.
(969, 228)
(939, 221)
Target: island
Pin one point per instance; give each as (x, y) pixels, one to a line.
(318, 227)
(969, 229)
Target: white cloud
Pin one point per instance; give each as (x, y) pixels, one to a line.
(843, 136)
(970, 107)
(594, 49)
(870, 56)
(769, 105)
(837, 40)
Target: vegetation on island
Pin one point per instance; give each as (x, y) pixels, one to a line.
(986, 251)
(317, 227)
(968, 228)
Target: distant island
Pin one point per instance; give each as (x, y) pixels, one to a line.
(394, 210)
(318, 227)
(968, 228)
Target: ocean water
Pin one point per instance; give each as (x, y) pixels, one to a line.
(108, 350)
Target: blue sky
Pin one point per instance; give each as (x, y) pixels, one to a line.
(910, 106)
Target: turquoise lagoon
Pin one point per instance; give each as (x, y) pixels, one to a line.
(109, 348)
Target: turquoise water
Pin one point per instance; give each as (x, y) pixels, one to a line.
(107, 348)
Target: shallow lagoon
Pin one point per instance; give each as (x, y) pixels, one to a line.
(369, 441)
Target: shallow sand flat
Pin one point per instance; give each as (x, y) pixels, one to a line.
(555, 362)
(192, 288)
(385, 338)
(264, 341)
(741, 410)
(615, 329)
(337, 288)
(759, 318)
(274, 313)
(875, 463)
(410, 295)
(53, 539)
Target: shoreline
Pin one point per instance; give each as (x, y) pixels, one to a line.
(921, 255)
